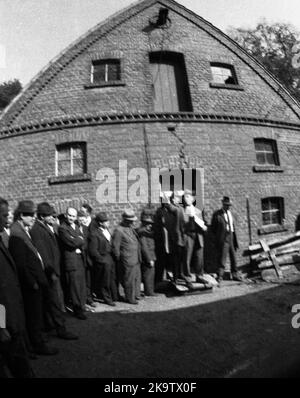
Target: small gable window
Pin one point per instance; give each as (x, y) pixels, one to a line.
(105, 71)
(223, 74)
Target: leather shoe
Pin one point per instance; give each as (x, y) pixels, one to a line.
(237, 277)
(111, 303)
(65, 335)
(43, 349)
(132, 302)
(80, 315)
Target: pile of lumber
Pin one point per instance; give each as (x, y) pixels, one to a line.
(276, 252)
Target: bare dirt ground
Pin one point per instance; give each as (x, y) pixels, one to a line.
(238, 330)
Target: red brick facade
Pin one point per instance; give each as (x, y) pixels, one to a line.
(60, 106)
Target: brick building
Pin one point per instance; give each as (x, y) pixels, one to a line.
(156, 85)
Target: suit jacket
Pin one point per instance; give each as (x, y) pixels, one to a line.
(126, 246)
(218, 227)
(147, 245)
(26, 257)
(190, 227)
(47, 244)
(99, 248)
(87, 259)
(10, 292)
(71, 240)
(166, 233)
(5, 238)
(185, 225)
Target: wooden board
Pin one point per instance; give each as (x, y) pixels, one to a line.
(272, 257)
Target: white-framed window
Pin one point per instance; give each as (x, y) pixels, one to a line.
(266, 151)
(70, 159)
(105, 71)
(272, 210)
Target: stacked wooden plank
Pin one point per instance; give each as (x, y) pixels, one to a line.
(276, 252)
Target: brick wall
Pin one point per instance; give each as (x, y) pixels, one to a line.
(225, 152)
(65, 94)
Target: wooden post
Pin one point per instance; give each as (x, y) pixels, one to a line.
(249, 221)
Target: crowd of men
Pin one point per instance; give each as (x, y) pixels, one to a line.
(50, 264)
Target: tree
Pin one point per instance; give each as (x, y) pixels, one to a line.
(274, 46)
(8, 90)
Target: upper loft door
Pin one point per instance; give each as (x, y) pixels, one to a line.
(170, 84)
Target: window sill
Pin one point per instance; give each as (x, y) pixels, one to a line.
(66, 179)
(267, 168)
(226, 86)
(114, 83)
(270, 229)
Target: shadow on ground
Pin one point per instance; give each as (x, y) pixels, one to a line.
(245, 336)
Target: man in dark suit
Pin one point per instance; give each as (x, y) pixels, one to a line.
(224, 230)
(84, 229)
(13, 351)
(168, 234)
(44, 238)
(6, 231)
(32, 275)
(127, 252)
(146, 235)
(100, 250)
(74, 262)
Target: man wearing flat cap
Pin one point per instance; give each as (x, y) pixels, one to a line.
(224, 230)
(45, 239)
(127, 252)
(100, 251)
(31, 269)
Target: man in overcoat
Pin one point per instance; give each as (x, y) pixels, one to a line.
(100, 250)
(32, 275)
(74, 262)
(224, 230)
(85, 230)
(13, 350)
(45, 240)
(127, 252)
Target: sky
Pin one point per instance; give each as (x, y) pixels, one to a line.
(32, 32)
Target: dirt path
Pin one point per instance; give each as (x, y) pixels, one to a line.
(238, 330)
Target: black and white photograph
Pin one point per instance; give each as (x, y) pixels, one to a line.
(149, 191)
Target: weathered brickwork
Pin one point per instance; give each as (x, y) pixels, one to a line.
(224, 150)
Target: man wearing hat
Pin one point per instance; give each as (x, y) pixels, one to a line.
(146, 235)
(100, 251)
(45, 239)
(31, 270)
(223, 228)
(127, 252)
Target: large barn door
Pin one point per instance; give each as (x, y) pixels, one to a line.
(170, 85)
